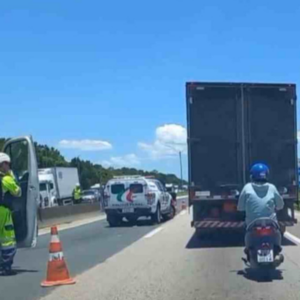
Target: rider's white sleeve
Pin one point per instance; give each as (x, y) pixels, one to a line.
(242, 201)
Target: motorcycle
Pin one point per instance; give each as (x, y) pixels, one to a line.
(263, 241)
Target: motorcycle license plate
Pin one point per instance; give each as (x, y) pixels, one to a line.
(128, 210)
(265, 256)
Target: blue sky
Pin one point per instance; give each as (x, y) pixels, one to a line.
(77, 70)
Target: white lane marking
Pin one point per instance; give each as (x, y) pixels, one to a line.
(74, 224)
(153, 232)
(292, 238)
(183, 212)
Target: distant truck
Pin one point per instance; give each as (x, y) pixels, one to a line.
(56, 185)
(230, 127)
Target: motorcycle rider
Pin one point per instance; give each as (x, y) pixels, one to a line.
(260, 199)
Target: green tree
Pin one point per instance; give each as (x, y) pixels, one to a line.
(89, 173)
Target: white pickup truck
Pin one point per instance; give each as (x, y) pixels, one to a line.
(136, 196)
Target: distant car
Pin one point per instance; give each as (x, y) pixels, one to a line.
(136, 196)
(89, 196)
(97, 193)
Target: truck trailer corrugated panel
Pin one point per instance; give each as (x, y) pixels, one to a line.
(231, 126)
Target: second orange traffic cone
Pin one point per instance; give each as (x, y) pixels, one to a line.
(57, 272)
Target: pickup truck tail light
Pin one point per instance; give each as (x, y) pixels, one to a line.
(106, 197)
(150, 198)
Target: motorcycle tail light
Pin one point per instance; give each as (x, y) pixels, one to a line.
(264, 230)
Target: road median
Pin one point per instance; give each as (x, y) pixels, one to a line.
(66, 214)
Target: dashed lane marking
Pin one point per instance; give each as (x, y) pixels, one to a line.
(153, 232)
(292, 238)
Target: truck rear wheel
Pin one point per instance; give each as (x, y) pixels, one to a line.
(114, 221)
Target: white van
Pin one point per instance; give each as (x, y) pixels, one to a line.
(136, 196)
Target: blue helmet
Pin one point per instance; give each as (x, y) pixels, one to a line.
(259, 172)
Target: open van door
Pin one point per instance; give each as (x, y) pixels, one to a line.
(24, 166)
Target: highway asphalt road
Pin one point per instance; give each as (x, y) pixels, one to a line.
(84, 247)
(170, 263)
(152, 262)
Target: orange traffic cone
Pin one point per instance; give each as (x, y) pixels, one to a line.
(57, 272)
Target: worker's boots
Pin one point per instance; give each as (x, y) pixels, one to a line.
(6, 269)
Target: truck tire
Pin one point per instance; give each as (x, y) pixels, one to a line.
(114, 221)
(156, 217)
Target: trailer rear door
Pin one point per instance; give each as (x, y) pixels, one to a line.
(271, 132)
(214, 118)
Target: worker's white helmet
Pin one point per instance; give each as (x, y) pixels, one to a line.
(77, 184)
(4, 158)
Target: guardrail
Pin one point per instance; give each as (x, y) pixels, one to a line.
(65, 214)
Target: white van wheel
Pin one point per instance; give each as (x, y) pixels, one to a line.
(156, 217)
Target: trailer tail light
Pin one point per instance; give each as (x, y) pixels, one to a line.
(150, 198)
(263, 231)
(229, 207)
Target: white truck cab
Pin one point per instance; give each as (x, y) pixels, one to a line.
(48, 195)
(136, 196)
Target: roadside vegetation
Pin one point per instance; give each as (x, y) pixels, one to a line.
(90, 173)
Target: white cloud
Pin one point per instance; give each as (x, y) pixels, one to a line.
(85, 145)
(169, 140)
(129, 160)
